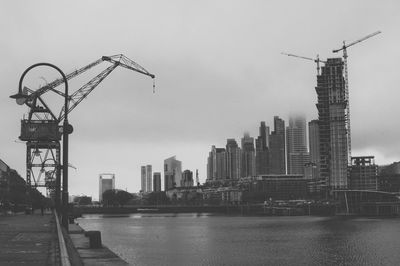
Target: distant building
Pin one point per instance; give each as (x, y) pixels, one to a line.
(334, 124)
(233, 160)
(296, 140)
(363, 173)
(106, 182)
(262, 153)
(157, 182)
(313, 140)
(172, 173)
(216, 164)
(187, 179)
(277, 148)
(248, 156)
(143, 178)
(149, 176)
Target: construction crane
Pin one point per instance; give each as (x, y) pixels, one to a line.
(346, 82)
(42, 129)
(316, 60)
(77, 97)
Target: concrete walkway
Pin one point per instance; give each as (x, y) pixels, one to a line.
(28, 240)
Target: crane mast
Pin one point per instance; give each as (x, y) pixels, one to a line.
(346, 84)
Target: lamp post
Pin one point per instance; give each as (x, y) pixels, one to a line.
(21, 98)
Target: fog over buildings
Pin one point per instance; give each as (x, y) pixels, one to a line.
(219, 72)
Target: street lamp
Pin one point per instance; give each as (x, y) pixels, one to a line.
(22, 98)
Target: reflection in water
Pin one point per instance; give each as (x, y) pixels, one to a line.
(202, 239)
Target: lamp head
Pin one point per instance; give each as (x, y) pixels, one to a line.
(21, 96)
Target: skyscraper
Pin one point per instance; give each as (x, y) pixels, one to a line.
(149, 176)
(172, 173)
(296, 136)
(248, 156)
(157, 182)
(277, 148)
(233, 159)
(216, 164)
(105, 184)
(143, 178)
(333, 124)
(313, 140)
(262, 154)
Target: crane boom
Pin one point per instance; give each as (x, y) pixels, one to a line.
(75, 98)
(316, 60)
(355, 42)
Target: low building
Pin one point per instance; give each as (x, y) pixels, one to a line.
(276, 187)
(363, 173)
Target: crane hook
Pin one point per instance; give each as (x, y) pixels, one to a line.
(154, 85)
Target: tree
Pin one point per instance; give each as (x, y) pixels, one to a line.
(116, 197)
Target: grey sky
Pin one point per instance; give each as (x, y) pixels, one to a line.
(218, 69)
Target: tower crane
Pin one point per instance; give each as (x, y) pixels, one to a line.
(316, 60)
(42, 134)
(346, 82)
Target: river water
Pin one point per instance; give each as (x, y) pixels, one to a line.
(202, 239)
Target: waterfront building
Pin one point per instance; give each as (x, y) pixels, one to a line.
(143, 178)
(157, 182)
(216, 164)
(187, 179)
(233, 160)
(296, 136)
(334, 124)
(262, 153)
(172, 173)
(276, 187)
(363, 173)
(106, 182)
(277, 164)
(149, 176)
(248, 156)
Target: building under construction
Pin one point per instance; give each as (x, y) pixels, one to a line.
(334, 125)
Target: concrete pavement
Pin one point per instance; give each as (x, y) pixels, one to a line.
(28, 239)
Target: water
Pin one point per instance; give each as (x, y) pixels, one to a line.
(201, 239)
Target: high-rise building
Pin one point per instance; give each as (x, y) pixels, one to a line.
(296, 139)
(363, 173)
(143, 178)
(248, 156)
(172, 173)
(334, 125)
(262, 154)
(233, 159)
(216, 164)
(149, 176)
(106, 182)
(157, 182)
(277, 164)
(313, 140)
(187, 178)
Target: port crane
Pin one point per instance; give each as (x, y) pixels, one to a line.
(316, 60)
(42, 129)
(346, 82)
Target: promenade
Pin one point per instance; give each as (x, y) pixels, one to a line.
(28, 239)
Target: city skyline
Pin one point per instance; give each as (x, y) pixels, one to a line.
(219, 73)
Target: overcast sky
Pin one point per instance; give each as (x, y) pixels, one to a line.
(219, 72)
